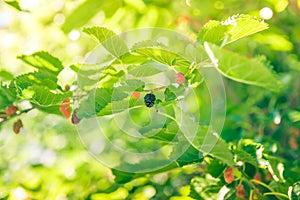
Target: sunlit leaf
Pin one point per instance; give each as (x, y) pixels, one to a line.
(132, 59)
(42, 96)
(242, 69)
(230, 30)
(87, 10)
(36, 78)
(146, 69)
(243, 26)
(276, 42)
(213, 32)
(5, 75)
(163, 56)
(113, 43)
(96, 101)
(99, 33)
(43, 61)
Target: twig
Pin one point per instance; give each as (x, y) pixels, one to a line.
(276, 194)
(156, 89)
(8, 117)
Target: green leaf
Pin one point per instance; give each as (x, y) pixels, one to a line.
(213, 32)
(178, 90)
(244, 70)
(169, 95)
(99, 33)
(163, 56)
(7, 95)
(43, 61)
(230, 30)
(50, 109)
(296, 191)
(252, 148)
(220, 151)
(245, 157)
(14, 4)
(194, 194)
(105, 101)
(131, 85)
(215, 168)
(132, 59)
(122, 177)
(5, 75)
(245, 25)
(113, 43)
(204, 188)
(189, 156)
(42, 96)
(168, 133)
(214, 146)
(114, 107)
(148, 43)
(105, 76)
(87, 10)
(196, 54)
(146, 69)
(97, 100)
(277, 42)
(75, 67)
(35, 78)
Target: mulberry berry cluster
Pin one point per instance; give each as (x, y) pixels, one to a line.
(149, 100)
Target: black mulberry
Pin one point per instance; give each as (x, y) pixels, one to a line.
(149, 100)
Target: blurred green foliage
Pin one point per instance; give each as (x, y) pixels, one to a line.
(47, 159)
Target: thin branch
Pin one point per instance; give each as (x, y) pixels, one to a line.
(276, 194)
(8, 117)
(262, 184)
(156, 89)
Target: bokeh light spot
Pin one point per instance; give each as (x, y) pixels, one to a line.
(59, 19)
(266, 13)
(74, 35)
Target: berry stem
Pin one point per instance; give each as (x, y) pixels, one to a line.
(6, 117)
(262, 184)
(276, 194)
(166, 115)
